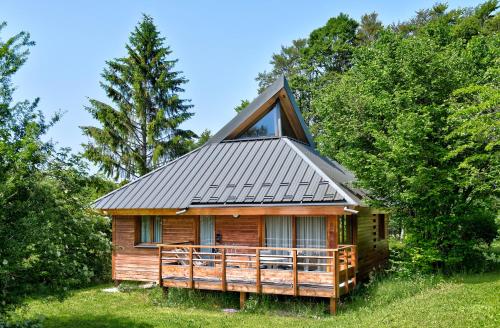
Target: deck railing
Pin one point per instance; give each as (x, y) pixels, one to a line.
(272, 270)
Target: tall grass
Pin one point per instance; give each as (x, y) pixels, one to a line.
(382, 289)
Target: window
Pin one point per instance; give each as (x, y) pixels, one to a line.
(381, 226)
(311, 232)
(278, 232)
(150, 229)
(345, 230)
(265, 127)
(207, 229)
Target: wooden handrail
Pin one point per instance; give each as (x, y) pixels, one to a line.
(193, 261)
(254, 248)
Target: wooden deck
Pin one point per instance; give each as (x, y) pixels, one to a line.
(314, 272)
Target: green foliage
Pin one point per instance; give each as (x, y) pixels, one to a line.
(422, 144)
(412, 110)
(142, 129)
(49, 237)
(243, 104)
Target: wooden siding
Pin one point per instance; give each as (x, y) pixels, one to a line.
(138, 263)
(179, 230)
(130, 262)
(243, 231)
(372, 252)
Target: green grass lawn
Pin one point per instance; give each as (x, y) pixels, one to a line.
(462, 301)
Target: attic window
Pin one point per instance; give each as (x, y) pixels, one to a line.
(267, 126)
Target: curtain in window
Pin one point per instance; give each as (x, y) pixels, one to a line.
(157, 230)
(207, 228)
(145, 229)
(279, 232)
(311, 233)
(207, 231)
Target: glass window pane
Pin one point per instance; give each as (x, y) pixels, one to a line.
(311, 233)
(207, 228)
(265, 127)
(157, 230)
(145, 230)
(279, 232)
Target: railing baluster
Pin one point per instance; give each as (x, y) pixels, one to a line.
(354, 264)
(191, 285)
(223, 271)
(346, 261)
(160, 264)
(294, 263)
(257, 268)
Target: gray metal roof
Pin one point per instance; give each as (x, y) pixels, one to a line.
(257, 172)
(256, 104)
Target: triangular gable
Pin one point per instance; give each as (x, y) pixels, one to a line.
(280, 92)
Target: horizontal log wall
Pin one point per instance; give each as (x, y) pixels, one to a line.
(243, 231)
(130, 262)
(372, 252)
(177, 230)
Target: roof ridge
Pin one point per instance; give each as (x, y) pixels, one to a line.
(149, 173)
(325, 176)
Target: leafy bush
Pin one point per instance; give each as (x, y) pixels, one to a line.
(48, 235)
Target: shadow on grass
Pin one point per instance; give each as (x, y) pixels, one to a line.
(91, 321)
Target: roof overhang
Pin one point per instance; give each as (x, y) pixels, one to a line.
(319, 209)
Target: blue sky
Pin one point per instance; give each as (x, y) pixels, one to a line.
(221, 46)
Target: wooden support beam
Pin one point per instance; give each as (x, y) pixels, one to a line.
(243, 299)
(333, 305)
(336, 274)
(231, 210)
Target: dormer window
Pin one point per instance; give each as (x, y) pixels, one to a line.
(273, 124)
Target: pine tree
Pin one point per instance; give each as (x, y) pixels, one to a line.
(141, 130)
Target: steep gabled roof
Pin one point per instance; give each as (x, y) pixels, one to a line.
(278, 91)
(258, 172)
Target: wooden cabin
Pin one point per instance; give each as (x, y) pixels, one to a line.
(255, 210)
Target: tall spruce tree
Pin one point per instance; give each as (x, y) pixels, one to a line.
(141, 130)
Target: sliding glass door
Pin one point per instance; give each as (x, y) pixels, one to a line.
(207, 233)
(311, 233)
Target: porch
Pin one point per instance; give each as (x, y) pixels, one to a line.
(317, 272)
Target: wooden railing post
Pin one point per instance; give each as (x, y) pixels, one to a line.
(223, 270)
(354, 264)
(191, 285)
(294, 263)
(258, 284)
(159, 265)
(336, 273)
(346, 261)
